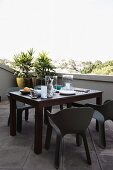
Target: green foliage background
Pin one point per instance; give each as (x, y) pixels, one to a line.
(44, 65)
(98, 67)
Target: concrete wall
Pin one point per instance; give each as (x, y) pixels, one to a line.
(97, 82)
(7, 79)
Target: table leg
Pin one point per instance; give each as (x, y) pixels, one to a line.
(99, 102)
(38, 129)
(12, 116)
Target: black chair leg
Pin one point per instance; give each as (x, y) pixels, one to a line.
(78, 139)
(45, 114)
(86, 148)
(57, 151)
(97, 126)
(26, 114)
(61, 107)
(102, 135)
(19, 121)
(48, 136)
(69, 105)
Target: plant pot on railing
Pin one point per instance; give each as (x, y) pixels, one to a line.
(24, 82)
(34, 81)
(22, 65)
(20, 82)
(28, 82)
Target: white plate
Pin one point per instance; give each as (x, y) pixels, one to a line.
(67, 92)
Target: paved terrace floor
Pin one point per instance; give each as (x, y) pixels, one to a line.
(16, 153)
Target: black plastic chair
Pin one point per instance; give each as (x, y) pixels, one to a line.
(99, 123)
(20, 108)
(69, 121)
(106, 109)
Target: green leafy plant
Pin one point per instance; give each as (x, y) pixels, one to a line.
(43, 65)
(23, 64)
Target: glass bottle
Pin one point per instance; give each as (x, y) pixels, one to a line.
(50, 90)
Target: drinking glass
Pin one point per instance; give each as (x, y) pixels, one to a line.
(47, 79)
(67, 81)
(55, 82)
(44, 92)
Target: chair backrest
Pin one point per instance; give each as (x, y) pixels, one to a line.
(72, 120)
(11, 89)
(107, 109)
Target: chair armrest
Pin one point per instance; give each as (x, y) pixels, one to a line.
(106, 101)
(54, 126)
(77, 104)
(98, 116)
(57, 130)
(94, 106)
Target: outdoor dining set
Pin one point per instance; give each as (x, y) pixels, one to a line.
(74, 118)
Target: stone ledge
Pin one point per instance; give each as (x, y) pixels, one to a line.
(91, 77)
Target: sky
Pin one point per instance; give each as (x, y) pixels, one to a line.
(76, 29)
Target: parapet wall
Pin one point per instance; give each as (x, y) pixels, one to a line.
(7, 79)
(97, 82)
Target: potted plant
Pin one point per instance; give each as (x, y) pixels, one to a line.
(43, 66)
(22, 66)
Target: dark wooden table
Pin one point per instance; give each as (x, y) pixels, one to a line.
(39, 104)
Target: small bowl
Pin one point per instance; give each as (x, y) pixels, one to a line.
(58, 87)
(24, 92)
